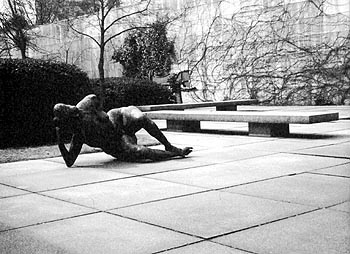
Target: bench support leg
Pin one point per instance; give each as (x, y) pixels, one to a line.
(186, 126)
(269, 129)
(226, 108)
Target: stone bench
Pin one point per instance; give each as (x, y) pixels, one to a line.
(219, 105)
(260, 123)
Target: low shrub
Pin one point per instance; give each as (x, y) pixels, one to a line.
(123, 91)
(28, 91)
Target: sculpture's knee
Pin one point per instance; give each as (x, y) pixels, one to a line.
(139, 120)
(136, 114)
(90, 102)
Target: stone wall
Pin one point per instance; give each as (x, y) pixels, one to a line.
(190, 32)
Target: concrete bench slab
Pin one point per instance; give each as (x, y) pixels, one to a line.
(261, 123)
(230, 105)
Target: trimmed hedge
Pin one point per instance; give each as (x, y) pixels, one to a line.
(28, 91)
(124, 91)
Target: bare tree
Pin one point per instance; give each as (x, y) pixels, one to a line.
(281, 54)
(48, 11)
(15, 25)
(105, 23)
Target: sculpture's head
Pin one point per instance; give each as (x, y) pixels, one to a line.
(67, 116)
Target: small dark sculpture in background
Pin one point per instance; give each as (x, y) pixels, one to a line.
(113, 132)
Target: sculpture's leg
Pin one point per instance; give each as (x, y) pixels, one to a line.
(134, 152)
(134, 120)
(155, 132)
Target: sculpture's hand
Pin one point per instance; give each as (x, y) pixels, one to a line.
(56, 122)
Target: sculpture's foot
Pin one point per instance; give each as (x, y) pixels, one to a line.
(179, 152)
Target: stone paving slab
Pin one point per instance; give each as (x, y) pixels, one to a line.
(142, 168)
(306, 189)
(20, 211)
(286, 163)
(101, 161)
(60, 178)
(336, 150)
(246, 171)
(320, 232)
(95, 233)
(344, 207)
(93, 160)
(212, 213)
(7, 191)
(122, 192)
(169, 206)
(216, 176)
(210, 141)
(228, 154)
(319, 140)
(27, 167)
(205, 248)
(345, 133)
(340, 170)
(283, 145)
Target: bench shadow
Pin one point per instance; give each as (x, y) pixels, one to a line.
(291, 135)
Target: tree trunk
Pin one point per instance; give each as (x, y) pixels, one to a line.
(101, 71)
(23, 53)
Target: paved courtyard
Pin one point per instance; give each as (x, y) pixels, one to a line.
(234, 194)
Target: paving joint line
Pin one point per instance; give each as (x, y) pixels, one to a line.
(202, 241)
(337, 165)
(24, 194)
(262, 224)
(324, 145)
(155, 225)
(206, 165)
(226, 245)
(178, 247)
(272, 199)
(67, 201)
(343, 202)
(328, 174)
(206, 190)
(145, 175)
(50, 221)
(319, 155)
(97, 182)
(161, 199)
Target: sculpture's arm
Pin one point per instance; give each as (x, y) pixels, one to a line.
(76, 144)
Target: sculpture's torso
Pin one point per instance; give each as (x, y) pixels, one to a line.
(98, 129)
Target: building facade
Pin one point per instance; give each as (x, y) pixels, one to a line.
(232, 48)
